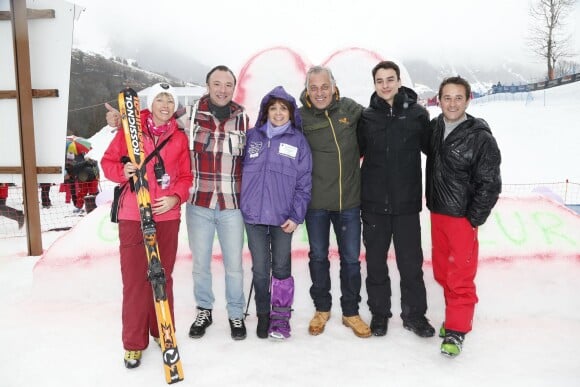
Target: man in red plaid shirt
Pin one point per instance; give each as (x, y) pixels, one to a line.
(216, 140)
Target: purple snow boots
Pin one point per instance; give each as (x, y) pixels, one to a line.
(282, 299)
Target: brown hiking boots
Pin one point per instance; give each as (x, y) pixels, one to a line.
(358, 326)
(318, 322)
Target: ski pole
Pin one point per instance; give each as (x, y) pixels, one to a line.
(249, 299)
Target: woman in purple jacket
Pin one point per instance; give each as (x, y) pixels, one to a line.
(276, 184)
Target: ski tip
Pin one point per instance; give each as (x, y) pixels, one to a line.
(128, 91)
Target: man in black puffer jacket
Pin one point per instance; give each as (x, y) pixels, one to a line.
(392, 132)
(463, 185)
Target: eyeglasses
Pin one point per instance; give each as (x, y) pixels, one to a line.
(316, 89)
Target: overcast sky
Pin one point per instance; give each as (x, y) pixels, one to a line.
(231, 31)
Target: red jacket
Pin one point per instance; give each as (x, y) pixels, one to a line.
(175, 155)
(3, 191)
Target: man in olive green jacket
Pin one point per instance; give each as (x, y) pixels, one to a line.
(329, 123)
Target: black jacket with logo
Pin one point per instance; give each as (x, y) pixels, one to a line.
(391, 140)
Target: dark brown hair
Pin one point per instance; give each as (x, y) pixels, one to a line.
(219, 68)
(271, 102)
(456, 81)
(386, 64)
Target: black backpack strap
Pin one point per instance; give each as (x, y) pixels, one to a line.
(125, 159)
(156, 151)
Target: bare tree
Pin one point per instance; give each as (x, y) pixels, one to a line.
(548, 38)
(566, 67)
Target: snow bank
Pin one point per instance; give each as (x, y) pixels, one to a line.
(518, 227)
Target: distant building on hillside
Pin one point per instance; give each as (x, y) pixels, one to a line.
(187, 95)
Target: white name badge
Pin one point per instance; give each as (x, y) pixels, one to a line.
(288, 150)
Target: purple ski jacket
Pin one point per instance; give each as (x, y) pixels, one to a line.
(276, 172)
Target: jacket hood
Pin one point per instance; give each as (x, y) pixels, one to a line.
(403, 99)
(279, 93)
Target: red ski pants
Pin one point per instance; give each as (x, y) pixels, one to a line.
(455, 250)
(138, 314)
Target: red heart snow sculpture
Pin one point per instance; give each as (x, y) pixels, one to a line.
(283, 66)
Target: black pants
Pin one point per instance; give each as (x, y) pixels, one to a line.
(405, 231)
(45, 194)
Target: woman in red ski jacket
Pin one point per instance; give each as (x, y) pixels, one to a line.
(168, 191)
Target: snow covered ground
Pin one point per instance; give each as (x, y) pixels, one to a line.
(60, 322)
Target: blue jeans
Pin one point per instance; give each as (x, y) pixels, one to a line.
(202, 224)
(347, 228)
(271, 250)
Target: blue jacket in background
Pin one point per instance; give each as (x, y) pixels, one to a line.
(277, 172)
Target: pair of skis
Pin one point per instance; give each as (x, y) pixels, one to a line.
(129, 108)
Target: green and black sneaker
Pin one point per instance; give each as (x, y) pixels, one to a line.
(452, 343)
(442, 330)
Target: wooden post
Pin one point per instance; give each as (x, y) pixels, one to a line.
(26, 124)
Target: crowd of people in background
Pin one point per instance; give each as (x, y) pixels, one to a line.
(80, 186)
(81, 182)
(303, 165)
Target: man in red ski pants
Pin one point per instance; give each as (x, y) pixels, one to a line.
(462, 186)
